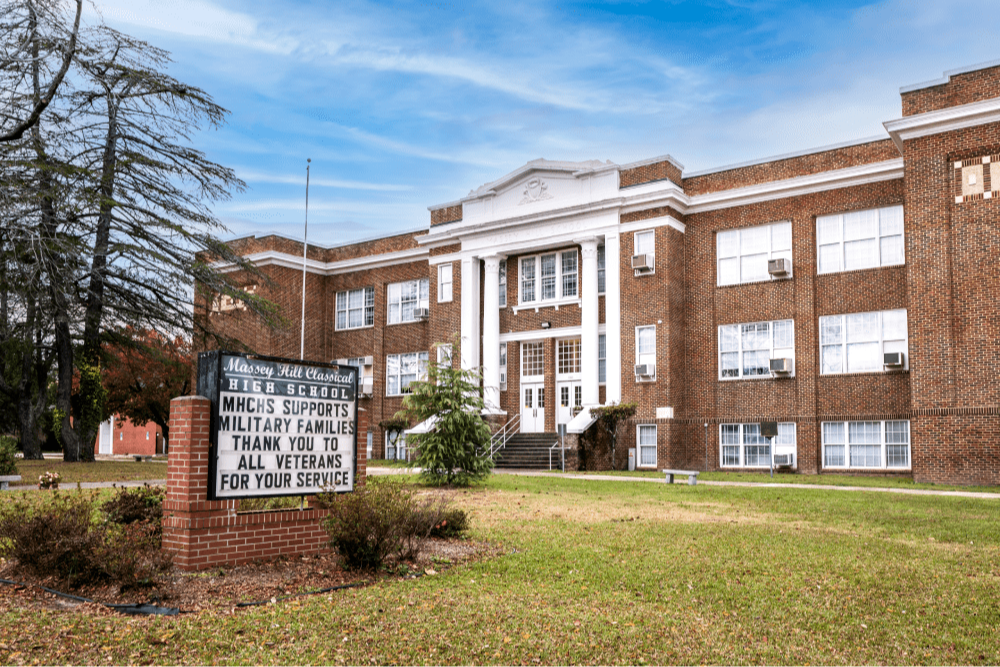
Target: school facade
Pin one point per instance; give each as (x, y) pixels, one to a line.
(848, 293)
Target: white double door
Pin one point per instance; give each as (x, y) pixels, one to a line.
(532, 407)
(569, 396)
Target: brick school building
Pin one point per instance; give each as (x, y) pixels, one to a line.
(847, 292)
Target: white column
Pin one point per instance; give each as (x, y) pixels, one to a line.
(589, 322)
(491, 333)
(613, 317)
(470, 312)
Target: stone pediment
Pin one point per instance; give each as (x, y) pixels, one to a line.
(541, 185)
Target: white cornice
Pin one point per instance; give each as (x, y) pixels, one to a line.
(283, 259)
(943, 120)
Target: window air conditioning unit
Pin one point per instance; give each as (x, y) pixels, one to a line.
(784, 459)
(369, 361)
(893, 359)
(421, 313)
(642, 262)
(781, 366)
(367, 389)
(779, 267)
(645, 370)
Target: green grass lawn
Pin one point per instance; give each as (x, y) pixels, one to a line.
(97, 471)
(388, 463)
(608, 573)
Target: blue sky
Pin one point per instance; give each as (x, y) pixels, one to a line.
(402, 105)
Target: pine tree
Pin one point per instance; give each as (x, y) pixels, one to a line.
(456, 450)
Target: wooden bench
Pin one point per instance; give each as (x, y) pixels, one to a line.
(139, 458)
(6, 479)
(692, 475)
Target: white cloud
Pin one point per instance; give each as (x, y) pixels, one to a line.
(263, 177)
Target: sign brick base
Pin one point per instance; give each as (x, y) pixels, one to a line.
(204, 533)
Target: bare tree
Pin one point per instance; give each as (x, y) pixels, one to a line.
(32, 30)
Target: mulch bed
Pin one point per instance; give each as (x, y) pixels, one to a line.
(223, 588)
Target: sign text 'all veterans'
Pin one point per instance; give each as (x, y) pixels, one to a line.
(283, 427)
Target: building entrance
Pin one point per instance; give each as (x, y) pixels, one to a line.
(569, 396)
(533, 407)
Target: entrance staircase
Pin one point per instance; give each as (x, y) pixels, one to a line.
(526, 451)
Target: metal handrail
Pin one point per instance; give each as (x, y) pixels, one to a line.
(562, 451)
(500, 438)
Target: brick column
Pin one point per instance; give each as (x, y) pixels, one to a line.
(187, 504)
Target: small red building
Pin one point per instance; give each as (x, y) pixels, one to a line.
(118, 435)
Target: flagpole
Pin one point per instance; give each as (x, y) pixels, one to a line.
(305, 249)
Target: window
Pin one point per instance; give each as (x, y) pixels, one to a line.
(866, 444)
(365, 374)
(549, 277)
(855, 343)
(356, 308)
(404, 298)
(503, 366)
(742, 254)
(445, 285)
(602, 358)
(860, 240)
(647, 445)
(570, 272)
(645, 348)
(568, 356)
(532, 359)
(395, 445)
(402, 369)
(503, 283)
(746, 350)
(645, 244)
(744, 447)
(600, 270)
(444, 355)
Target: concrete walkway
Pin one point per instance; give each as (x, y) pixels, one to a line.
(774, 485)
(94, 485)
(599, 478)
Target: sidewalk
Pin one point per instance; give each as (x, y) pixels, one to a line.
(775, 485)
(93, 485)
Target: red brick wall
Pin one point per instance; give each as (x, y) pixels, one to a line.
(647, 173)
(440, 216)
(814, 163)
(204, 533)
(128, 438)
(965, 88)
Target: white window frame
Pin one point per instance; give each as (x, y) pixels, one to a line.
(747, 436)
(602, 358)
(575, 348)
(503, 366)
(885, 343)
(644, 357)
(524, 367)
(639, 447)
(651, 254)
(831, 439)
(601, 269)
(831, 242)
(446, 282)
(777, 248)
(366, 373)
(343, 298)
(444, 354)
(398, 446)
(560, 276)
(784, 352)
(419, 376)
(422, 300)
(502, 271)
